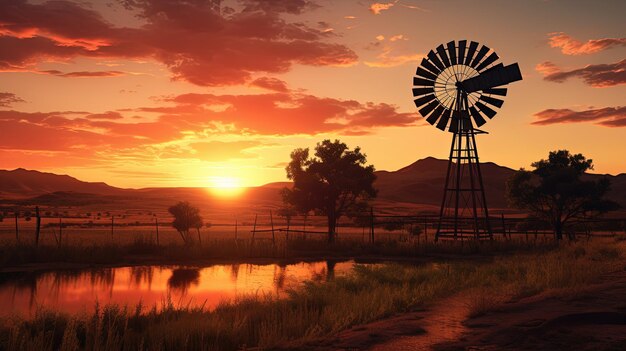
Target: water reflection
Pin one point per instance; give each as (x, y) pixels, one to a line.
(183, 278)
(75, 291)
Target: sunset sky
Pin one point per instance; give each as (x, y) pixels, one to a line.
(142, 93)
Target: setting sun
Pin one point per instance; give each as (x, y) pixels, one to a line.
(225, 186)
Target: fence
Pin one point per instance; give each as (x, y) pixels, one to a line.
(368, 226)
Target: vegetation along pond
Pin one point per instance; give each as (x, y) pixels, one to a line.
(76, 291)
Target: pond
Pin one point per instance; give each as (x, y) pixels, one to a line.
(76, 291)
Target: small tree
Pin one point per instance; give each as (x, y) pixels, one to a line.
(554, 191)
(332, 182)
(186, 217)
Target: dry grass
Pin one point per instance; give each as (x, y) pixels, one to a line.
(316, 309)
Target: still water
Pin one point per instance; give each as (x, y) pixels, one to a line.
(75, 291)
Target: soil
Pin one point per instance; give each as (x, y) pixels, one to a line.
(593, 318)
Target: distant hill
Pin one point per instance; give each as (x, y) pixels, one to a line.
(23, 183)
(420, 183)
(423, 181)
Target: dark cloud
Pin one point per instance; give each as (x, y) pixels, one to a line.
(269, 83)
(607, 116)
(599, 76)
(8, 99)
(83, 74)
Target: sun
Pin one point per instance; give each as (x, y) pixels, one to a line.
(225, 186)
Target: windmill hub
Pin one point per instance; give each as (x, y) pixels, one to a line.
(455, 87)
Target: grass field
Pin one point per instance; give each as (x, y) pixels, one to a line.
(318, 309)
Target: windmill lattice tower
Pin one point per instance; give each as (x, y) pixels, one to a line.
(455, 87)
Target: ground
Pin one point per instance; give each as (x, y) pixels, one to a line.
(590, 319)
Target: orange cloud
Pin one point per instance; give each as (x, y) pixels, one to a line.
(269, 83)
(377, 7)
(571, 46)
(598, 76)
(211, 151)
(62, 30)
(388, 59)
(608, 116)
(191, 118)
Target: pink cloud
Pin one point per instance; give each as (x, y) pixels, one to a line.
(571, 46)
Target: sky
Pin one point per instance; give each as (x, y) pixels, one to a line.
(146, 93)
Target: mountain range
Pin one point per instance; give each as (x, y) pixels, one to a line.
(420, 183)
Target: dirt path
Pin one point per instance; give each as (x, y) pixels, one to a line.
(410, 331)
(442, 322)
(593, 318)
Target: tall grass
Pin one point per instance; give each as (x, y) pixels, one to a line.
(145, 251)
(317, 309)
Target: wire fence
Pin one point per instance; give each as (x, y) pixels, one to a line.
(371, 226)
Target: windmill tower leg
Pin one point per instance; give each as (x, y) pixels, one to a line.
(464, 212)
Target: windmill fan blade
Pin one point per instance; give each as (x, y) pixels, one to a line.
(424, 111)
(470, 52)
(444, 56)
(492, 78)
(424, 82)
(433, 57)
(478, 118)
(496, 91)
(435, 115)
(462, 44)
(486, 110)
(489, 60)
(452, 52)
(492, 101)
(481, 53)
(443, 122)
(429, 66)
(422, 91)
(423, 100)
(454, 125)
(424, 73)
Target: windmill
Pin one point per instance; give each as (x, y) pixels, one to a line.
(457, 88)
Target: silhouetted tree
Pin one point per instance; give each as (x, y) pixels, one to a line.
(555, 192)
(332, 182)
(287, 212)
(186, 217)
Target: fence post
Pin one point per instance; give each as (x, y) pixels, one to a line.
(372, 225)
(272, 223)
(304, 227)
(504, 226)
(112, 216)
(156, 225)
(254, 227)
(38, 229)
(60, 231)
(235, 229)
(17, 231)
